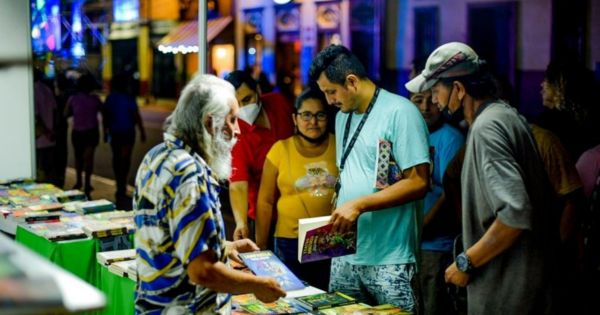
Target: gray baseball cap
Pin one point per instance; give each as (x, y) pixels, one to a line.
(447, 61)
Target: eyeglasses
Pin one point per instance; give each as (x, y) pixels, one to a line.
(308, 116)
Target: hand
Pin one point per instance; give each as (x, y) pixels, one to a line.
(241, 232)
(240, 246)
(268, 290)
(456, 277)
(344, 218)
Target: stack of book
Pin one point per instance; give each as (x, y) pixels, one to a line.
(119, 262)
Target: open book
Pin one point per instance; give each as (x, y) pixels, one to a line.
(317, 242)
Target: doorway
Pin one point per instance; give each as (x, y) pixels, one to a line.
(492, 32)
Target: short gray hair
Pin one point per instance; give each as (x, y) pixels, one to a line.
(203, 97)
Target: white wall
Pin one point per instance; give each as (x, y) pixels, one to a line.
(17, 149)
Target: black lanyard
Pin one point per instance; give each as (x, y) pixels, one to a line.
(346, 150)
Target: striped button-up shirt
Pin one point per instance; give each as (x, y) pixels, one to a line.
(178, 217)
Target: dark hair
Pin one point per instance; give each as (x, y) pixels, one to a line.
(87, 83)
(337, 62)
(239, 77)
(574, 82)
(120, 83)
(310, 94)
(479, 85)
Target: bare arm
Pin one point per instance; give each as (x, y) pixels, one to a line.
(496, 240)
(207, 271)
(412, 187)
(265, 202)
(238, 195)
(434, 209)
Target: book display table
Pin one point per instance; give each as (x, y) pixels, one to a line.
(76, 256)
(119, 291)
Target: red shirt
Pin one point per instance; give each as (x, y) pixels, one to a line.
(254, 143)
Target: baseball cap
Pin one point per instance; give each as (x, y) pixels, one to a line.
(447, 61)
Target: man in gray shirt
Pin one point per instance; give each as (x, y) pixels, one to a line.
(509, 228)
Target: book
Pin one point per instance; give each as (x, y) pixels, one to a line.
(317, 242)
(58, 231)
(70, 195)
(101, 205)
(122, 268)
(387, 171)
(249, 304)
(99, 229)
(107, 258)
(265, 263)
(321, 301)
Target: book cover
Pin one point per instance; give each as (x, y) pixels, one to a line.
(387, 171)
(317, 242)
(249, 304)
(265, 263)
(321, 301)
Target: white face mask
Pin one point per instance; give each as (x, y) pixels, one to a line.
(249, 113)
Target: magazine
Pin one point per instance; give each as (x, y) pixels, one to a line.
(317, 242)
(265, 263)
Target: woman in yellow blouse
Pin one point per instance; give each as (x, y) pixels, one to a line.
(298, 181)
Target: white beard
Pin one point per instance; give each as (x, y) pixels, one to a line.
(221, 153)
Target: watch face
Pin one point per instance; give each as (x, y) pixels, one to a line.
(462, 263)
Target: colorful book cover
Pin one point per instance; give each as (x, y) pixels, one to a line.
(249, 304)
(325, 300)
(318, 242)
(265, 263)
(101, 205)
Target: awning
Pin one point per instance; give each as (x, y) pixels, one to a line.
(184, 38)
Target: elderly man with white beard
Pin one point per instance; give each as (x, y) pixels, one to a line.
(180, 238)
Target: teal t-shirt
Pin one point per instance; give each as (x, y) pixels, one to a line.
(386, 236)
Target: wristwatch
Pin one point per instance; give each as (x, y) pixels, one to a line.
(463, 262)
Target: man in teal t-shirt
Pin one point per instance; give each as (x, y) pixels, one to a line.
(388, 220)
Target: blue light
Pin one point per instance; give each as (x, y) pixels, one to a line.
(77, 50)
(126, 10)
(252, 51)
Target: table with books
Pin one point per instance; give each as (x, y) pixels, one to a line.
(73, 244)
(63, 226)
